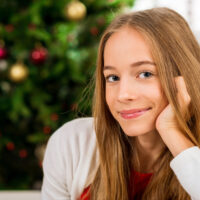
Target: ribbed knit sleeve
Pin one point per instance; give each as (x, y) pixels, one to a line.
(186, 166)
(70, 160)
(54, 185)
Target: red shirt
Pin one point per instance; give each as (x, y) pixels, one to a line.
(138, 183)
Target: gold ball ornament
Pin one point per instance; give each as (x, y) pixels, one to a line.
(75, 10)
(18, 72)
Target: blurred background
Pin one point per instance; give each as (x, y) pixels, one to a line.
(47, 59)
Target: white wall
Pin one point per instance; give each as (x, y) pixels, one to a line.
(20, 195)
(189, 9)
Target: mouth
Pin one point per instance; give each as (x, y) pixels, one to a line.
(134, 113)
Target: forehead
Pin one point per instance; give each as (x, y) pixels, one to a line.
(125, 46)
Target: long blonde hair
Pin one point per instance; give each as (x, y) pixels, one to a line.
(175, 52)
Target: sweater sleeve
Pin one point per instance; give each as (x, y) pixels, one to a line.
(70, 160)
(186, 166)
(54, 184)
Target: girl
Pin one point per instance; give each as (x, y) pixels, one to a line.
(143, 140)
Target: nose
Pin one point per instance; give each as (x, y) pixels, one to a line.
(128, 90)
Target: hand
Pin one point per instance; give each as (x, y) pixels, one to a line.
(167, 119)
(167, 124)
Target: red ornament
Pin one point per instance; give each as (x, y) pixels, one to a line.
(101, 21)
(94, 31)
(10, 146)
(9, 28)
(54, 117)
(39, 55)
(47, 130)
(3, 53)
(31, 26)
(23, 153)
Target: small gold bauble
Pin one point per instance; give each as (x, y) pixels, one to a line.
(18, 72)
(75, 10)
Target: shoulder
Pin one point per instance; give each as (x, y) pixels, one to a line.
(77, 128)
(70, 153)
(77, 125)
(74, 134)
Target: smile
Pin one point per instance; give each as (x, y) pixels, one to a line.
(129, 114)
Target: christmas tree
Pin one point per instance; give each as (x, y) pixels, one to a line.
(47, 57)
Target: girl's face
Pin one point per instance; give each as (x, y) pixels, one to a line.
(133, 90)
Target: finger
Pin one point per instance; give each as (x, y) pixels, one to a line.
(182, 93)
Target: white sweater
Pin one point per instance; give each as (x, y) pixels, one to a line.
(71, 161)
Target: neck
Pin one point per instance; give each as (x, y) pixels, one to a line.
(149, 147)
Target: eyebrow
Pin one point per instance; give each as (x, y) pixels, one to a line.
(135, 64)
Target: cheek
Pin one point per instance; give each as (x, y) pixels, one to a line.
(164, 103)
(109, 98)
(161, 99)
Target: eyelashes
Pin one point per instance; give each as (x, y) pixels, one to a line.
(111, 78)
(145, 74)
(141, 75)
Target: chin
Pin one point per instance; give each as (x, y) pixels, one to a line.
(137, 131)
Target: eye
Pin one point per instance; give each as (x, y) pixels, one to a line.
(145, 74)
(111, 78)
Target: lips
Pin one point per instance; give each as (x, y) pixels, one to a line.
(133, 113)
